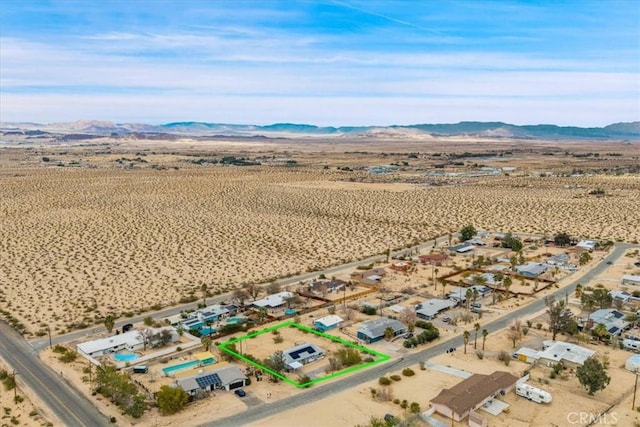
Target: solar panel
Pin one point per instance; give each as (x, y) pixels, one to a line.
(207, 380)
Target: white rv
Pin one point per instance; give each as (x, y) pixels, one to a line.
(632, 345)
(533, 393)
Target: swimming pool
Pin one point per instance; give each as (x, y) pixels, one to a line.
(207, 331)
(125, 357)
(236, 320)
(181, 366)
(186, 365)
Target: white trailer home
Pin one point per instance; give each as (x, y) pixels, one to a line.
(532, 393)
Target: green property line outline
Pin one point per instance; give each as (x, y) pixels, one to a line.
(382, 357)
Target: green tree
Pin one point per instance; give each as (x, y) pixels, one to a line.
(109, 322)
(467, 232)
(277, 362)
(240, 296)
(466, 340)
(592, 375)
(205, 291)
(600, 331)
(485, 333)
(507, 282)
(262, 314)
(579, 290)
(512, 243)
(171, 400)
(562, 239)
(585, 257)
(558, 315)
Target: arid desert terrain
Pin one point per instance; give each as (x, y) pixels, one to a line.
(88, 229)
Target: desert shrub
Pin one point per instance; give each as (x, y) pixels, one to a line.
(395, 377)
(384, 381)
(59, 349)
(504, 357)
(278, 339)
(414, 407)
(68, 357)
(369, 310)
(408, 372)
(404, 404)
(480, 354)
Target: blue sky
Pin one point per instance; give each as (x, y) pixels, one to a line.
(343, 62)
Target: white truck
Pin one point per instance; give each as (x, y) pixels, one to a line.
(532, 393)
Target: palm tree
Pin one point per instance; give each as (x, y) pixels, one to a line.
(507, 282)
(466, 340)
(476, 327)
(435, 280)
(444, 285)
(468, 296)
(262, 314)
(206, 342)
(484, 337)
(600, 331)
(579, 290)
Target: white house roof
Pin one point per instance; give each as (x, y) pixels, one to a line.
(397, 308)
(274, 300)
(532, 268)
(559, 350)
(300, 353)
(223, 376)
(131, 338)
(431, 307)
(375, 328)
(330, 320)
(462, 248)
(528, 352)
(586, 244)
(612, 319)
(631, 278)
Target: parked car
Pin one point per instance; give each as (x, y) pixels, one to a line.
(389, 417)
(446, 319)
(408, 335)
(240, 392)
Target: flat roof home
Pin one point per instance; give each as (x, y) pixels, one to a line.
(570, 355)
(324, 286)
(130, 341)
(462, 248)
(433, 258)
(489, 279)
(430, 308)
(531, 269)
(369, 277)
(209, 313)
(559, 259)
(327, 322)
(587, 244)
(302, 354)
(475, 242)
(227, 378)
(465, 397)
(630, 279)
(526, 355)
(612, 319)
(273, 301)
(373, 330)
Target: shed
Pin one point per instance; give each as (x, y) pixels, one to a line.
(633, 363)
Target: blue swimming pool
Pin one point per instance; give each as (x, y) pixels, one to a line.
(207, 331)
(236, 319)
(125, 357)
(181, 366)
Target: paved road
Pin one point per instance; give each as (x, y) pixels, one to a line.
(256, 413)
(71, 408)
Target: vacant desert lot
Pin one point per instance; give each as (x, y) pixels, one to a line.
(79, 242)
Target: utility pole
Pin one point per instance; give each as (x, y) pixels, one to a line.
(635, 388)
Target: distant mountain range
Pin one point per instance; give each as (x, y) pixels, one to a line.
(615, 131)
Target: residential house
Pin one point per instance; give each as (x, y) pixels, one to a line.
(587, 244)
(526, 355)
(570, 355)
(461, 400)
(612, 319)
(559, 259)
(128, 341)
(302, 354)
(323, 287)
(433, 258)
(369, 277)
(461, 248)
(227, 378)
(631, 280)
(400, 266)
(327, 322)
(373, 330)
(531, 270)
(273, 301)
(475, 242)
(429, 309)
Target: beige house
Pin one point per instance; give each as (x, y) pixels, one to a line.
(461, 400)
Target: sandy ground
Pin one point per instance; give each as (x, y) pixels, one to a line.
(25, 413)
(87, 242)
